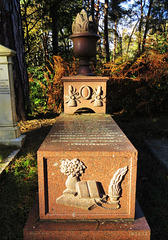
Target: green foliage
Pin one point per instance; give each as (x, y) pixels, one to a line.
(46, 91)
(18, 185)
(18, 190)
(37, 85)
(25, 168)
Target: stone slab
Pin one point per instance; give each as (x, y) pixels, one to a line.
(10, 132)
(97, 230)
(84, 92)
(18, 142)
(159, 149)
(97, 141)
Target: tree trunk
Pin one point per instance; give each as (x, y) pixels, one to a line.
(97, 22)
(130, 37)
(140, 30)
(115, 41)
(106, 31)
(11, 36)
(54, 16)
(147, 25)
(92, 9)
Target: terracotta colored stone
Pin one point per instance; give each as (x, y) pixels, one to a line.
(99, 144)
(84, 92)
(97, 230)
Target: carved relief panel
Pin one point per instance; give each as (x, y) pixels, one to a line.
(84, 92)
(89, 194)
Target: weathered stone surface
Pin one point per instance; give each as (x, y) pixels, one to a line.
(79, 230)
(110, 160)
(84, 92)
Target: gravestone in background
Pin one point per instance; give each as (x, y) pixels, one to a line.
(9, 131)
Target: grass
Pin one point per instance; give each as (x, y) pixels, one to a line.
(18, 185)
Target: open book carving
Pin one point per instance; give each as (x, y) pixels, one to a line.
(89, 194)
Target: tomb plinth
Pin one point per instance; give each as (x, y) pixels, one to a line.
(84, 92)
(86, 230)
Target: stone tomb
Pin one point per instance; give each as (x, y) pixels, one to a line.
(86, 170)
(87, 183)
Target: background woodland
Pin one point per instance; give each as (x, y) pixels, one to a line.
(132, 50)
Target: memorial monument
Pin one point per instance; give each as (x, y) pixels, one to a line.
(86, 166)
(9, 131)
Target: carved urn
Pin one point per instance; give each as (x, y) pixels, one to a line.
(84, 39)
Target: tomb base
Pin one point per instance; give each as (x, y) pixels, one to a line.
(18, 142)
(63, 230)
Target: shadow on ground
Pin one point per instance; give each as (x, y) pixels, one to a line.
(152, 178)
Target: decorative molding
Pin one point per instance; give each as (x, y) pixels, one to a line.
(83, 23)
(114, 191)
(85, 92)
(73, 97)
(98, 97)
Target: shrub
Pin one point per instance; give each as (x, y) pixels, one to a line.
(140, 86)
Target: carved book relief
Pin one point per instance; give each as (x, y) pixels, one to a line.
(89, 194)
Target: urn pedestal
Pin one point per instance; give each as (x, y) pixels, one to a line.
(84, 92)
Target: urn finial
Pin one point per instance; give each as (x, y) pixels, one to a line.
(84, 38)
(84, 23)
